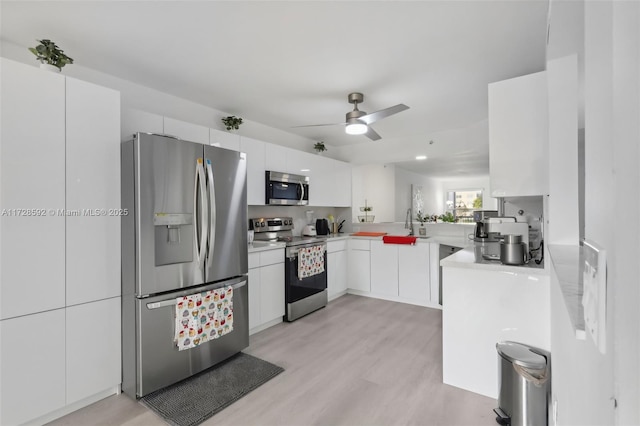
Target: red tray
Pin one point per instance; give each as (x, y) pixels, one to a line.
(399, 239)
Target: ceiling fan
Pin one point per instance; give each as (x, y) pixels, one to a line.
(357, 122)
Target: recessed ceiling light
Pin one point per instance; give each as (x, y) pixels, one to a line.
(421, 157)
(304, 170)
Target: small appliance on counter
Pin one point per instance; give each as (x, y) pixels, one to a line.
(322, 227)
(309, 231)
(513, 251)
(481, 234)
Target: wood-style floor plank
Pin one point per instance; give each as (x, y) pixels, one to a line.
(359, 361)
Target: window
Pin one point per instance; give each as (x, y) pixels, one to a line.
(461, 204)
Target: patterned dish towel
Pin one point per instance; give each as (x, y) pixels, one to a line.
(202, 317)
(310, 261)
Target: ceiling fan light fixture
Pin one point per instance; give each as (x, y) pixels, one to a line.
(355, 127)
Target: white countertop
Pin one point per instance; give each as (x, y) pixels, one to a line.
(471, 258)
(437, 239)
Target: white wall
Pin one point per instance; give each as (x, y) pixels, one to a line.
(431, 192)
(374, 183)
(587, 384)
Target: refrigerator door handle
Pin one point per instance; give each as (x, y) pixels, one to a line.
(212, 211)
(203, 222)
(172, 302)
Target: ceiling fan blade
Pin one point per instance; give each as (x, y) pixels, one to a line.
(319, 125)
(371, 134)
(378, 115)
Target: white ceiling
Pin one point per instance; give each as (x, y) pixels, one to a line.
(293, 63)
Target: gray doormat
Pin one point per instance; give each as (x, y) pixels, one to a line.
(194, 400)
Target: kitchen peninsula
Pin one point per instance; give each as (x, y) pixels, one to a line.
(485, 302)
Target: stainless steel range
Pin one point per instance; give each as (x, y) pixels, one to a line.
(305, 265)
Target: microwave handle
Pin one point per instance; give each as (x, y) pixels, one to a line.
(301, 191)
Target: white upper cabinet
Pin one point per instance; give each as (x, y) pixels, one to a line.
(255, 151)
(32, 190)
(224, 139)
(186, 131)
(276, 159)
(135, 120)
(93, 191)
(341, 189)
(518, 136)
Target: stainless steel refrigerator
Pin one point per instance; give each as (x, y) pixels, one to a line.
(184, 237)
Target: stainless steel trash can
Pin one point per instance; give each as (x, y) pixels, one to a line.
(525, 385)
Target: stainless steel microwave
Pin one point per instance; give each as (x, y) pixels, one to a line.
(286, 189)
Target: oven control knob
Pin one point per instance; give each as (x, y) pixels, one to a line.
(287, 222)
(262, 224)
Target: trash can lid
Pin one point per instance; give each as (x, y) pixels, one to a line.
(522, 355)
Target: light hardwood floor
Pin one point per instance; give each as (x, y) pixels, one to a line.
(359, 361)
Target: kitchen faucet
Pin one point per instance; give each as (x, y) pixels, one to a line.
(408, 221)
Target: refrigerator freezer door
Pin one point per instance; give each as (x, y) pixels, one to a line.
(167, 215)
(227, 249)
(158, 362)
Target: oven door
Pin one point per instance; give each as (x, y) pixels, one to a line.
(297, 288)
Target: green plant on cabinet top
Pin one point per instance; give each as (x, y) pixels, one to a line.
(48, 53)
(232, 122)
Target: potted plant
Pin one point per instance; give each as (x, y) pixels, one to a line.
(50, 55)
(448, 217)
(319, 147)
(422, 218)
(232, 122)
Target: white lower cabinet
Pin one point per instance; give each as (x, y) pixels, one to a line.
(93, 348)
(413, 273)
(266, 289)
(32, 366)
(384, 269)
(400, 271)
(337, 273)
(359, 265)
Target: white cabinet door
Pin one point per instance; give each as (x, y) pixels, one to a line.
(359, 265)
(384, 268)
(134, 121)
(32, 351)
(186, 131)
(300, 163)
(518, 136)
(336, 273)
(413, 272)
(92, 348)
(255, 170)
(32, 189)
(93, 192)
(341, 190)
(321, 181)
(254, 298)
(275, 158)
(272, 292)
(223, 139)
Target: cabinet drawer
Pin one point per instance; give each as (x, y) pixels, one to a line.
(271, 256)
(254, 260)
(333, 246)
(359, 244)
